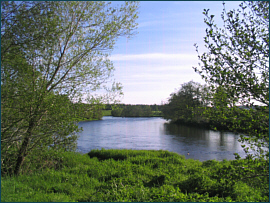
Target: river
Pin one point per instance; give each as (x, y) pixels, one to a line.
(156, 133)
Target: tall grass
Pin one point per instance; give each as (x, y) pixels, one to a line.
(130, 175)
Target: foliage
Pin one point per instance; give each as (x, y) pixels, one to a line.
(134, 176)
(137, 110)
(106, 112)
(53, 53)
(237, 68)
(89, 111)
(238, 57)
(56, 128)
(186, 104)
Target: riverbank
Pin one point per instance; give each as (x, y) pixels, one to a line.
(135, 176)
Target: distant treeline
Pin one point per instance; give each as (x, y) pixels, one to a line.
(138, 110)
(87, 112)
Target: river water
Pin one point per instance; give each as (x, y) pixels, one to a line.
(156, 133)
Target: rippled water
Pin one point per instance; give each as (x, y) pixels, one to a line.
(156, 133)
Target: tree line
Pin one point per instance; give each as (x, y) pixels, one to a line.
(138, 110)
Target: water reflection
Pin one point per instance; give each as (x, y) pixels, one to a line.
(202, 144)
(156, 133)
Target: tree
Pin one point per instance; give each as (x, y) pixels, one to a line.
(146, 110)
(51, 51)
(237, 62)
(117, 112)
(184, 104)
(238, 56)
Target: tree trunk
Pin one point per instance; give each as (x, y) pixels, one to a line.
(22, 152)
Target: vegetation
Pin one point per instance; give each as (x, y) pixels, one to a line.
(194, 104)
(134, 176)
(54, 53)
(236, 67)
(186, 105)
(127, 110)
(106, 112)
(88, 112)
(236, 70)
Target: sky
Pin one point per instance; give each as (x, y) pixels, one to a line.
(156, 61)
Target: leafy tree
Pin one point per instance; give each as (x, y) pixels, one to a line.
(236, 66)
(138, 110)
(184, 105)
(51, 54)
(154, 107)
(89, 111)
(117, 112)
(238, 57)
(146, 110)
(237, 62)
(132, 111)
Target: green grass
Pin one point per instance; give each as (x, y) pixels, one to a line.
(133, 175)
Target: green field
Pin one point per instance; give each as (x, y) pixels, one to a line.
(133, 175)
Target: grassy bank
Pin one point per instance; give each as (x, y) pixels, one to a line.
(134, 175)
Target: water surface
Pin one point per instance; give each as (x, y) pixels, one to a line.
(156, 133)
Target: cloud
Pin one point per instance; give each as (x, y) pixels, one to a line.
(152, 77)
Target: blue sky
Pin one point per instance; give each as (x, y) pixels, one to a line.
(156, 61)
